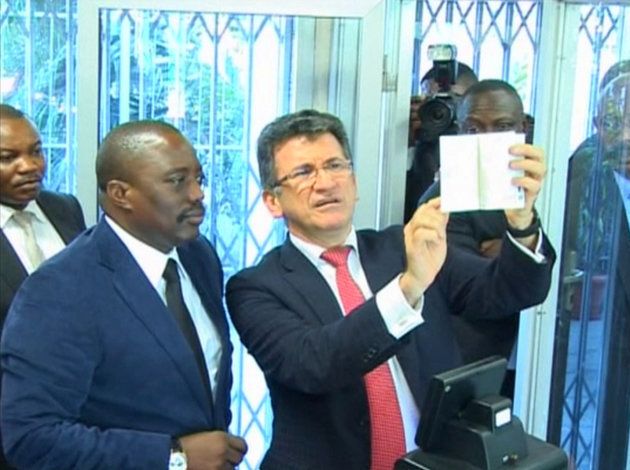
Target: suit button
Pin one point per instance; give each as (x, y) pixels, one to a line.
(370, 354)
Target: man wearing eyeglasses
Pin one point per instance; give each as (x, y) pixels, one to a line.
(348, 326)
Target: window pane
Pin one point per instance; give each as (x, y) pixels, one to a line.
(197, 72)
(37, 76)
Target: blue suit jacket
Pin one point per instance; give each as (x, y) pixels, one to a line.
(314, 359)
(97, 372)
(65, 214)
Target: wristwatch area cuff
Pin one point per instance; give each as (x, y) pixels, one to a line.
(533, 228)
(177, 460)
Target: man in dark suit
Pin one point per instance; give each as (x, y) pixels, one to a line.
(55, 218)
(58, 217)
(116, 352)
(487, 106)
(323, 330)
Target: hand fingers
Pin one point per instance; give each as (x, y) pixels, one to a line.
(428, 235)
(532, 164)
(532, 168)
(530, 185)
(237, 443)
(234, 456)
(430, 210)
(428, 223)
(528, 151)
(435, 203)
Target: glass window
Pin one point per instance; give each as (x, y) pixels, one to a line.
(590, 396)
(213, 75)
(37, 76)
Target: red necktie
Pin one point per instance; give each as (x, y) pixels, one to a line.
(386, 428)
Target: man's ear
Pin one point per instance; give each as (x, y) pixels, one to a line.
(270, 199)
(118, 192)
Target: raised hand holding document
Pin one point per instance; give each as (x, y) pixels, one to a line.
(475, 172)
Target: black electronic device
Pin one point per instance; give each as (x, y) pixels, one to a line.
(466, 424)
(438, 113)
(450, 393)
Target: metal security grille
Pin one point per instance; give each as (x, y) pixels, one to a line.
(496, 39)
(582, 369)
(212, 76)
(202, 73)
(600, 38)
(37, 76)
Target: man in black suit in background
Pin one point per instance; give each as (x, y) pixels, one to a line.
(487, 106)
(34, 224)
(55, 218)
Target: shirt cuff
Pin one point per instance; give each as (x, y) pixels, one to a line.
(399, 317)
(537, 255)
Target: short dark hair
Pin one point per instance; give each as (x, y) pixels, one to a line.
(487, 86)
(9, 112)
(309, 123)
(463, 71)
(122, 144)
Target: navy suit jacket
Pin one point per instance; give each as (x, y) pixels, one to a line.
(97, 372)
(314, 358)
(66, 216)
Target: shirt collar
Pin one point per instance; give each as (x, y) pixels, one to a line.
(6, 212)
(151, 260)
(313, 252)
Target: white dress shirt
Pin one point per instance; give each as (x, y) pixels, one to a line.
(152, 262)
(46, 235)
(398, 315)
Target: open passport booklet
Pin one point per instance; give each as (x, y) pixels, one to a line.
(475, 172)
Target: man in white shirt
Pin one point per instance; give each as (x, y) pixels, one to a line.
(34, 224)
(129, 362)
(55, 218)
(348, 344)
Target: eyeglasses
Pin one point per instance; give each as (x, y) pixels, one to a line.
(305, 175)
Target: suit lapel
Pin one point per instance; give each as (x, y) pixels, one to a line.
(13, 271)
(58, 215)
(380, 264)
(308, 283)
(144, 302)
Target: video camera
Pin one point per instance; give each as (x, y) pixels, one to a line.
(437, 114)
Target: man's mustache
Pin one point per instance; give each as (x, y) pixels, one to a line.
(198, 210)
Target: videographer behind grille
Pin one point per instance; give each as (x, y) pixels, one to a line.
(432, 114)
